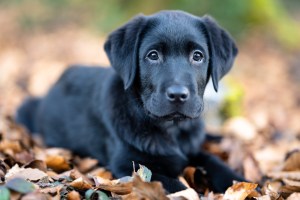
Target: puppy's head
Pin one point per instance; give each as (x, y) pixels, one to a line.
(169, 57)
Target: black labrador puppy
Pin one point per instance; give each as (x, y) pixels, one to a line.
(147, 107)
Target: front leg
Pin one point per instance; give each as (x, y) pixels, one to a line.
(219, 175)
(171, 185)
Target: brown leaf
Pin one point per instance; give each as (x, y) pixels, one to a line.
(85, 164)
(36, 195)
(57, 163)
(75, 174)
(80, 184)
(24, 157)
(196, 178)
(189, 194)
(294, 196)
(25, 173)
(59, 151)
(239, 191)
(291, 182)
(119, 188)
(73, 195)
(272, 189)
(10, 147)
(3, 170)
(188, 174)
(146, 190)
(101, 172)
(37, 164)
(102, 181)
(294, 175)
(53, 191)
(251, 169)
(293, 162)
(287, 190)
(264, 197)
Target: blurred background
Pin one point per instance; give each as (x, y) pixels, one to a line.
(261, 96)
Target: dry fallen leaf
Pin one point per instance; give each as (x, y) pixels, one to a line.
(101, 172)
(272, 190)
(294, 196)
(85, 164)
(80, 184)
(240, 191)
(11, 147)
(293, 162)
(57, 163)
(25, 173)
(73, 195)
(36, 195)
(146, 190)
(75, 174)
(38, 164)
(294, 175)
(119, 188)
(189, 194)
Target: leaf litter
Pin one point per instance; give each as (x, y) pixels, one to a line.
(256, 146)
(55, 173)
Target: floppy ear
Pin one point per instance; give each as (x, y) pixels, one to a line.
(122, 49)
(222, 50)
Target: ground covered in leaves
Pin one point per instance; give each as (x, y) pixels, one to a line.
(261, 141)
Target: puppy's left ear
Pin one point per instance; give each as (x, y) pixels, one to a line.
(222, 50)
(122, 49)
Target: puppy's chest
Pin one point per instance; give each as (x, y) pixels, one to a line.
(186, 135)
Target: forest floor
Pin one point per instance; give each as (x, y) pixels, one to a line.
(262, 143)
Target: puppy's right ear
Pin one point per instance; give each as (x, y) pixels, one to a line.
(122, 49)
(222, 50)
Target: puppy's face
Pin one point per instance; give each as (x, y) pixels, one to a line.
(173, 67)
(169, 57)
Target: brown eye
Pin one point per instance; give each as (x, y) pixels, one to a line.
(153, 55)
(198, 56)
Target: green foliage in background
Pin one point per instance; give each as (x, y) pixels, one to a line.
(232, 105)
(273, 17)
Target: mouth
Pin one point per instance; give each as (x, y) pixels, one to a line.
(175, 116)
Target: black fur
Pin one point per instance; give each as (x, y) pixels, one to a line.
(147, 107)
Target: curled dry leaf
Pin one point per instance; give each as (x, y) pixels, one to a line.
(85, 164)
(294, 175)
(291, 182)
(3, 170)
(57, 163)
(294, 196)
(37, 164)
(293, 162)
(75, 174)
(24, 157)
(251, 169)
(73, 195)
(240, 191)
(264, 197)
(80, 184)
(59, 151)
(189, 194)
(25, 173)
(272, 190)
(287, 190)
(146, 190)
(119, 188)
(10, 147)
(36, 195)
(101, 172)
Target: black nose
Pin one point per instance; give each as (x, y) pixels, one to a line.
(177, 93)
